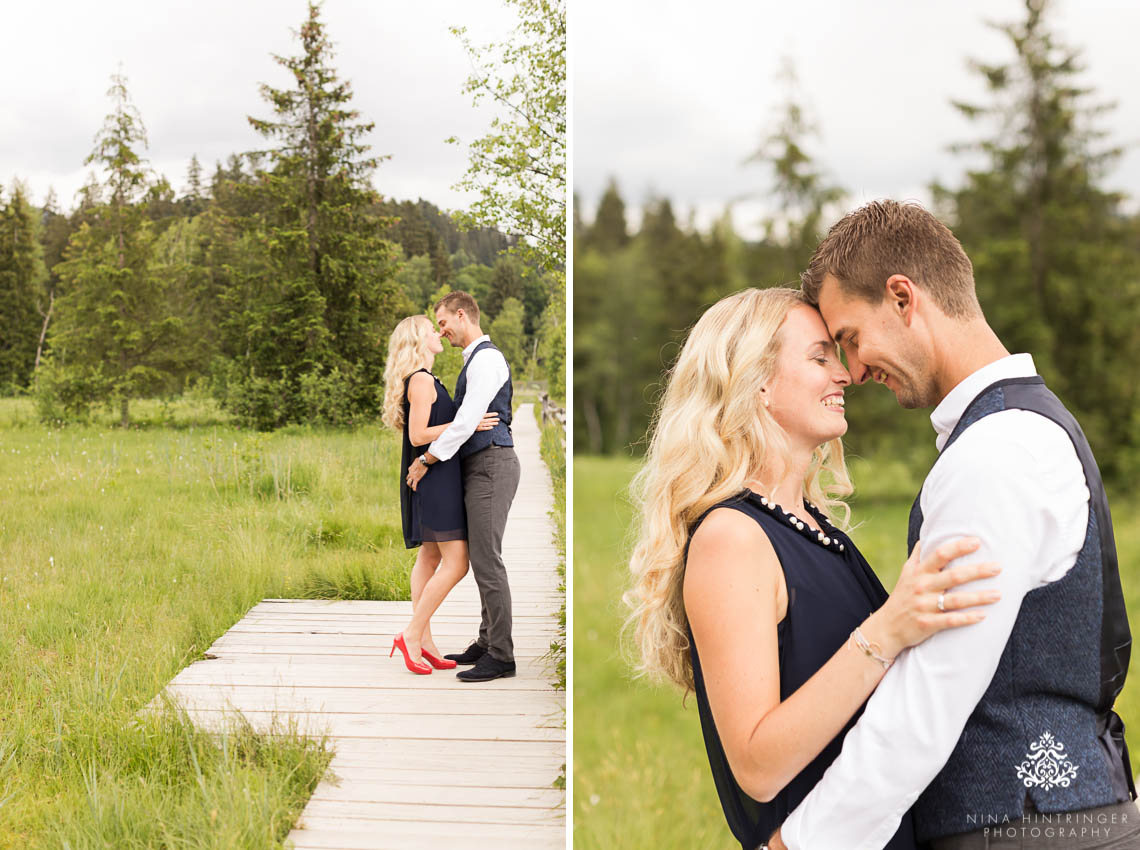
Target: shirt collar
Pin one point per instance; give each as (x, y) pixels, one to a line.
(946, 415)
(470, 349)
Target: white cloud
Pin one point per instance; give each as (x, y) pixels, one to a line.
(674, 95)
(194, 69)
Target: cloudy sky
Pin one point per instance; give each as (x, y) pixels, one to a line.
(193, 70)
(670, 96)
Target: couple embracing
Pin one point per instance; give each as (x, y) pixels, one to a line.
(458, 476)
(970, 708)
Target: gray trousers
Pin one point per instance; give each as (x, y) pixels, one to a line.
(490, 480)
(1114, 827)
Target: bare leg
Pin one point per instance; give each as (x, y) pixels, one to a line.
(451, 570)
(427, 560)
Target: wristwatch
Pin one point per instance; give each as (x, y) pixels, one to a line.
(424, 462)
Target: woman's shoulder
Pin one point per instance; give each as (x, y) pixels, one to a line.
(420, 378)
(729, 542)
(729, 527)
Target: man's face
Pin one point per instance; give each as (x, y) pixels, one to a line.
(878, 344)
(451, 326)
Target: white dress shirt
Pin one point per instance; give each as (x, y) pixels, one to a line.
(1012, 480)
(486, 374)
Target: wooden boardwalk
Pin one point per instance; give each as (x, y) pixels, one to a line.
(421, 761)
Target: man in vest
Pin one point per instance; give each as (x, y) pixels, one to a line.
(1001, 732)
(490, 479)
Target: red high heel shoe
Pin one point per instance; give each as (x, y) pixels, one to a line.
(414, 666)
(438, 663)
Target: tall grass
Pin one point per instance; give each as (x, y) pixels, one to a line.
(641, 776)
(123, 555)
(553, 449)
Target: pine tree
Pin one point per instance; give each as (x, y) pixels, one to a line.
(57, 229)
(193, 200)
(330, 291)
(1054, 256)
(608, 233)
(799, 188)
(21, 276)
(113, 328)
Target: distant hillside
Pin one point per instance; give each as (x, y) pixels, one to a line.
(423, 229)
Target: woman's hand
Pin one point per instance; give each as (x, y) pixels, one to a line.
(911, 614)
(489, 421)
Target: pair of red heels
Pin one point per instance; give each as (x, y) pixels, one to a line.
(416, 666)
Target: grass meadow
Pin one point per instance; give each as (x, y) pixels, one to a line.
(123, 555)
(641, 777)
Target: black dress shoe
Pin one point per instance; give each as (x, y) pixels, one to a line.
(470, 655)
(486, 668)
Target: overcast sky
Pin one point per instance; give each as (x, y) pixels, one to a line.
(670, 96)
(193, 70)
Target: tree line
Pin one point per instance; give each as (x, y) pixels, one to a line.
(272, 284)
(1056, 257)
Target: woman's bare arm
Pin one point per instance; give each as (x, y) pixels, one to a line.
(734, 596)
(421, 396)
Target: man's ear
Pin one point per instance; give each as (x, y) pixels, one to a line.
(900, 296)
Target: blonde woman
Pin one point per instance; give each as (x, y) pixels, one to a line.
(433, 515)
(744, 588)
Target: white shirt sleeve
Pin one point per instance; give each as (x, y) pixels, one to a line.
(1012, 480)
(487, 371)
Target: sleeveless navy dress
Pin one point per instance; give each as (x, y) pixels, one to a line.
(831, 590)
(434, 511)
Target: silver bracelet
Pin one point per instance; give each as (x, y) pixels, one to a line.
(868, 648)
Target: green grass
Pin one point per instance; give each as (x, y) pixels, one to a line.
(641, 777)
(123, 556)
(553, 449)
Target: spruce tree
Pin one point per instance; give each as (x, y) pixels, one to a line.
(21, 277)
(1054, 255)
(113, 327)
(329, 292)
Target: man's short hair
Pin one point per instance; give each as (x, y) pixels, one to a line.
(456, 301)
(883, 238)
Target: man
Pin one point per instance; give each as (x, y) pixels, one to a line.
(1006, 724)
(490, 478)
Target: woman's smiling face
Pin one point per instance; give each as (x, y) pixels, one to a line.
(805, 396)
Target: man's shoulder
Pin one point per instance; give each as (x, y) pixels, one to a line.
(487, 353)
(1006, 444)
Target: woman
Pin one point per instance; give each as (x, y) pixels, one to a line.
(744, 589)
(433, 515)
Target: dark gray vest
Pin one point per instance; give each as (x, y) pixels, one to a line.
(500, 435)
(1044, 728)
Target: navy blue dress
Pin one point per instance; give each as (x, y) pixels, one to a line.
(831, 590)
(434, 511)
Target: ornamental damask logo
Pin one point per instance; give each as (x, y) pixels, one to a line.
(1046, 765)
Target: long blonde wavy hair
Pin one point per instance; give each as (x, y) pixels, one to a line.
(407, 352)
(709, 437)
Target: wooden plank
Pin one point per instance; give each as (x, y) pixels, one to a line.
(340, 700)
(321, 833)
(253, 670)
(392, 793)
(505, 775)
(371, 810)
(407, 727)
